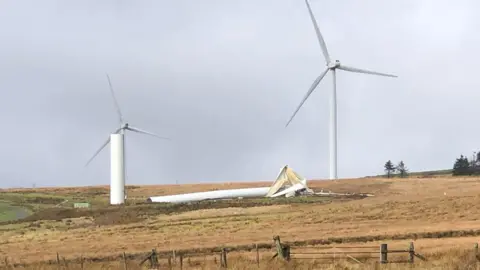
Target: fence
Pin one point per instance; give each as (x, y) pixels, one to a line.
(328, 254)
(358, 254)
(176, 259)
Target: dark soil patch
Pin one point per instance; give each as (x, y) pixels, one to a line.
(57, 214)
(42, 200)
(125, 214)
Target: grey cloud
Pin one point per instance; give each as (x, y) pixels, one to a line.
(221, 79)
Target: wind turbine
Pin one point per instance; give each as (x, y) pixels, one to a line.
(117, 153)
(331, 66)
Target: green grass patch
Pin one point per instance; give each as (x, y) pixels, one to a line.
(9, 212)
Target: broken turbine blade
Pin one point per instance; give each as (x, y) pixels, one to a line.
(364, 71)
(319, 34)
(117, 107)
(145, 132)
(314, 85)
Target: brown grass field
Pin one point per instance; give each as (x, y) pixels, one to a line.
(439, 214)
(455, 259)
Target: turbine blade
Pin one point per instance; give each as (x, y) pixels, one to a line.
(319, 35)
(134, 129)
(98, 151)
(315, 83)
(117, 107)
(364, 71)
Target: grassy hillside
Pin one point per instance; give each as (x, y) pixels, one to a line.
(431, 173)
(414, 208)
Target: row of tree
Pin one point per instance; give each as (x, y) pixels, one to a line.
(400, 169)
(463, 166)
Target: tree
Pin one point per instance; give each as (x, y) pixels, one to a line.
(402, 169)
(389, 168)
(474, 160)
(461, 166)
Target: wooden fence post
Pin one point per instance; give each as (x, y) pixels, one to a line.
(279, 247)
(475, 252)
(258, 255)
(59, 266)
(477, 258)
(81, 262)
(411, 252)
(124, 256)
(65, 262)
(180, 257)
(154, 259)
(383, 253)
(170, 262)
(174, 254)
(223, 261)
(286, 252)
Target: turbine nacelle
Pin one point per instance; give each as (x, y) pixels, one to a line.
(333, 65)
(124, 126)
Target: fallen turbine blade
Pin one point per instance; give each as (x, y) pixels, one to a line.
(145, 132)
(364, 71)
(319, 35)
(117, 107)
(98, 151)
(314, 85)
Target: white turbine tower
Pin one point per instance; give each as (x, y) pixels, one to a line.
(117, 154)
(331, 66)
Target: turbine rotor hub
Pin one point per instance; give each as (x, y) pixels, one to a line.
(333, 64)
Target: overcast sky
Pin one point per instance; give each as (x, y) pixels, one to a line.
(221, 78)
